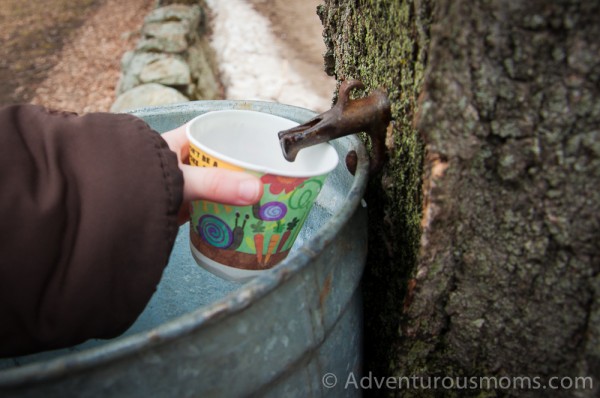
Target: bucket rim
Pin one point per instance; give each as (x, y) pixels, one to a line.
(234, 302)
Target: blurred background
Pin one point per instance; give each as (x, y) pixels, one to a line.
(69, 54)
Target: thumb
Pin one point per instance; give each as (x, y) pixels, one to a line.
(220, 185)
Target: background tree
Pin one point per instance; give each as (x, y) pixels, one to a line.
(485, 242)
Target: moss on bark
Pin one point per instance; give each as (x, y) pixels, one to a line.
(382, 43)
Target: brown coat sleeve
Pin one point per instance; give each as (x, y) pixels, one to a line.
(88, 217)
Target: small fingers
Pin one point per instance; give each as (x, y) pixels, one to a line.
(220, 185)
(177, 141)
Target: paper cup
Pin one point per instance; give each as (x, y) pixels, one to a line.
(239, 242)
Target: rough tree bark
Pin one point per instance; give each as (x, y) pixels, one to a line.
(489, 264)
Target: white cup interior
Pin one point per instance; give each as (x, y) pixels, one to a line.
(248, 139)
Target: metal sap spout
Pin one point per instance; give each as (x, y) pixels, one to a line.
(370, 115)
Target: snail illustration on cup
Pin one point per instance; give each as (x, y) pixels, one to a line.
(217, 233)
(273, 224)
(271, 211)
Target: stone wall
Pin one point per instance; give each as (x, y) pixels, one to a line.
(172, 62)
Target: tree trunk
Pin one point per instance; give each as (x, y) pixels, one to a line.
(488, 261)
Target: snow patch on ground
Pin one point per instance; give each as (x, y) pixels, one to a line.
(250, 60)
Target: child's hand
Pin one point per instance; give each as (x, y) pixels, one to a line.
(218, 185)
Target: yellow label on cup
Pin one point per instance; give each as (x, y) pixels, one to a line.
(200, 158)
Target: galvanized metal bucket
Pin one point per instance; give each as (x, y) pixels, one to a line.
(283, 334)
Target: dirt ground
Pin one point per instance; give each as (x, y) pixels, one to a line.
(31, 37)
(66, 53)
